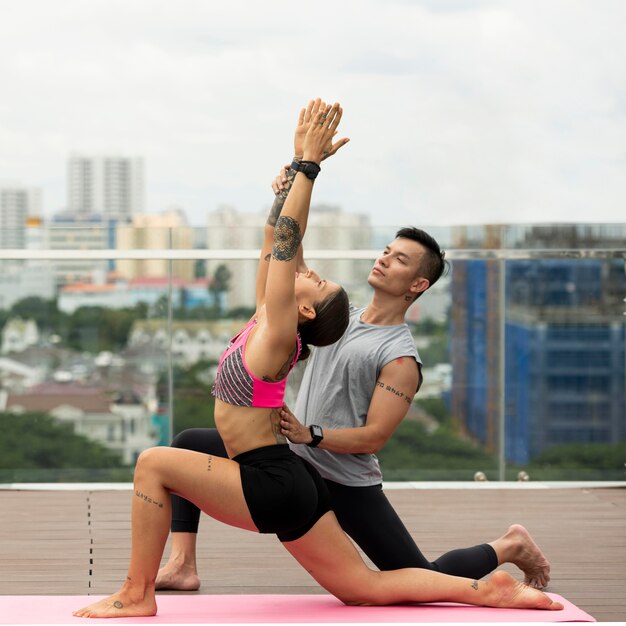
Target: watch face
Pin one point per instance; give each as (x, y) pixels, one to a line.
(317, 431)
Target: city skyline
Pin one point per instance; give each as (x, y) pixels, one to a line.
(459, 111)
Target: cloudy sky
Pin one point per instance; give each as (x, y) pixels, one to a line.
(459, 111)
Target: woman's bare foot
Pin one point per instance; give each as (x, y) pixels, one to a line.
(506, 592)
(526, 554)
(120, 604)
(181, 578)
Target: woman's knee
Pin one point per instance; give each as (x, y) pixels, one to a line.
(149, 460)
(361, 594)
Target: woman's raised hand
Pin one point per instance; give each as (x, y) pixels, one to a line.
(322, 127)
(307, 117)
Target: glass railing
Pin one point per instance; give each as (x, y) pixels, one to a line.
(109, 350)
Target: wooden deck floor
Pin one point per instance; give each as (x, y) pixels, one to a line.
(77, 542)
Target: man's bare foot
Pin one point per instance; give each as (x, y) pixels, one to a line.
(527, 555)
(119, 605)
(181, 578)
(506, 592)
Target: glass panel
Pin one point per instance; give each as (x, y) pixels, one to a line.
(102, 358)
(79, 398)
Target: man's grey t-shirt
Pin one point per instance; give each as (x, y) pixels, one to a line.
(337, 389)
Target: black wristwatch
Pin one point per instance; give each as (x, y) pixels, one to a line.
(317, 433)
(308, 168)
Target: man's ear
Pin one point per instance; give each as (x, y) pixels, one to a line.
(419, 286)
(307, 312)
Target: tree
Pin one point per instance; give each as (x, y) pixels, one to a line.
(593, 456)
(219, 286)
(414, 454)
(32, 441)
(45, 313)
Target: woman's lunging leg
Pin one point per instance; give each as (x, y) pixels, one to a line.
(213, 484)
(329, 556)
(181, 571)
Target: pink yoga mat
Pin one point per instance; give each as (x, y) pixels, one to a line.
(273, 609)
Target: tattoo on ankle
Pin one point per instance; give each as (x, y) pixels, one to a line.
(118, 605)
(148, 499)
(475, 585)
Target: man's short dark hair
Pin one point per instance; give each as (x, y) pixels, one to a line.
(434, 263)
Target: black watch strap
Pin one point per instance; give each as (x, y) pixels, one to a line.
(317, 433)
(308, 168)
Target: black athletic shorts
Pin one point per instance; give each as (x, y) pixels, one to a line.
(284, 493)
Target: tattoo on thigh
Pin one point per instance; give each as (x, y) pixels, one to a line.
(209, 464)
(287, 239)
(148, 499)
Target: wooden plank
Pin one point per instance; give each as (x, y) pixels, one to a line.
(79, 542)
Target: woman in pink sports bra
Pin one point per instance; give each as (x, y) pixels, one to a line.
(263, 486)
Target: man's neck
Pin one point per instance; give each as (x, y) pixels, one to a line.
(385, 311)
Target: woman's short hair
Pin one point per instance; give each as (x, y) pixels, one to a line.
(330, 322)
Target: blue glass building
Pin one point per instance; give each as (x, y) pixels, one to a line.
(564, 353)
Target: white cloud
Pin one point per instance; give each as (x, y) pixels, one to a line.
(458, 111)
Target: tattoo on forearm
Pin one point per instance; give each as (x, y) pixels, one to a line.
(148, 499)
(279, 201)
(475, 585)
(287, 239)
(393, 390)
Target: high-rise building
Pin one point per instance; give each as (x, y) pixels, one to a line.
(564, 338)
(167, 230)
(110, 186)
(17, 204)
(328, 228)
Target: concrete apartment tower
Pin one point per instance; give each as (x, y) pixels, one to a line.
(110, 186)
(17, 204)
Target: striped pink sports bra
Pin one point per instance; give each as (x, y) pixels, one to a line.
(235, 383)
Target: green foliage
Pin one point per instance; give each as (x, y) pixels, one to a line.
(435, 407)
(437, 333)
(45, 313)
(94, 328)
(37, 440)
(193, 402)
(413, 450)
(596, 456)
(220, 285)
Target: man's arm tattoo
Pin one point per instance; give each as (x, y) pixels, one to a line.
(394, 391)
(279, 201)
(287, 239)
